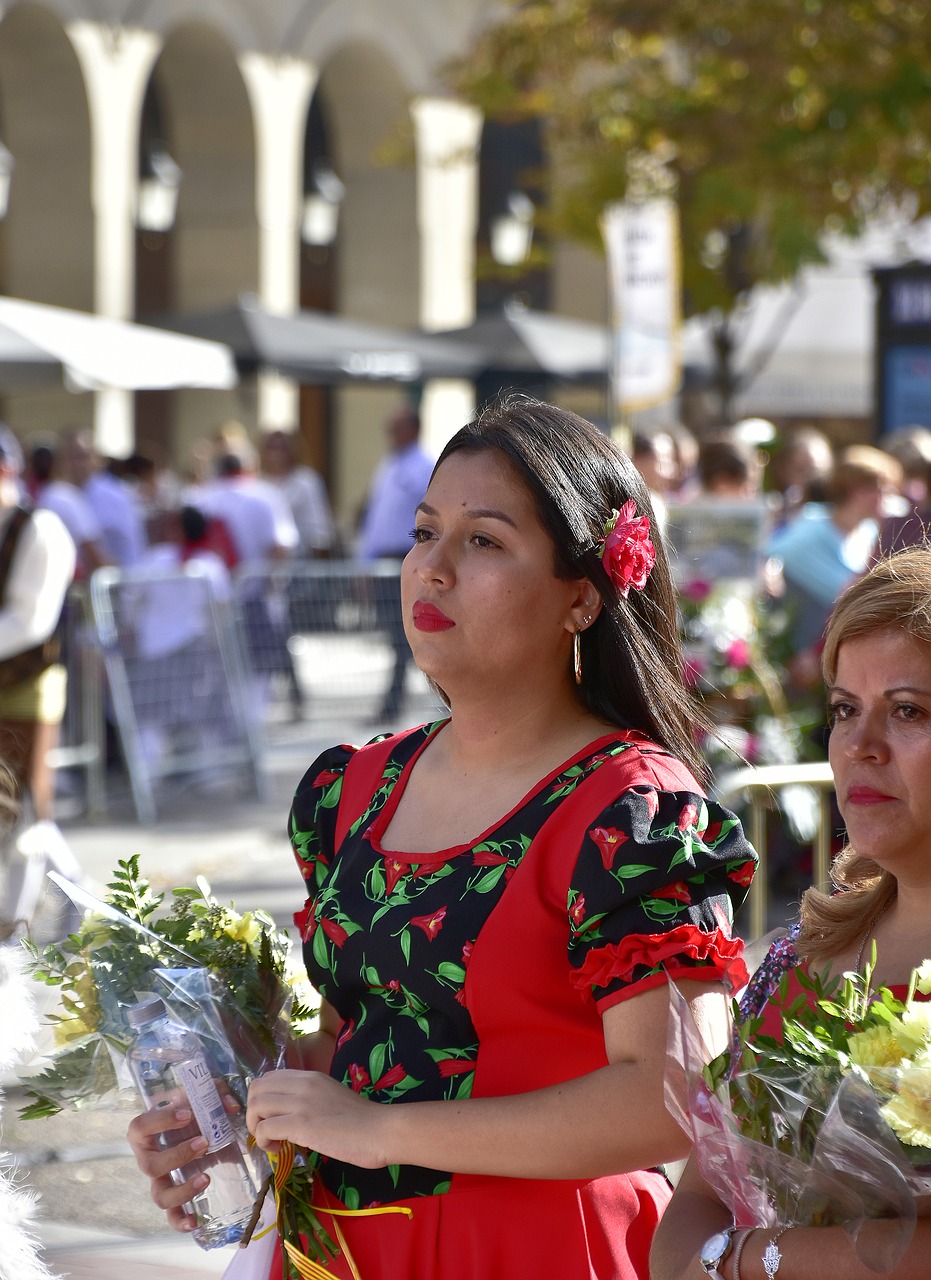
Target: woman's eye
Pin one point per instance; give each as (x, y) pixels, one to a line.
(420, 534)
(908, 711)
(839, 711)
(482, 540)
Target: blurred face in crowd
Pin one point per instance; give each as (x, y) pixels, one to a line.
(276, 454)
(658, 465)
(79, 459)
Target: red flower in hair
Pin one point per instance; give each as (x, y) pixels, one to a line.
(627, 553)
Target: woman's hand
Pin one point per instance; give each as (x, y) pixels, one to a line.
(314, 1111)
(149, 1134)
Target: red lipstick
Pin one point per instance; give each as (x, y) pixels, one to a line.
(867, 795)
(427, 617)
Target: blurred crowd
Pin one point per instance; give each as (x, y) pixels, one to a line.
(765, 527)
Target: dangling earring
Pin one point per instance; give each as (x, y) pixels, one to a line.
(577, 650)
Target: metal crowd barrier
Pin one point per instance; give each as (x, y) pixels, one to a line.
(758, 786)
(177, 680)
(82, 743)
(325, 637)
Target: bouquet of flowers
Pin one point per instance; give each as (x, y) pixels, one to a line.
(829, 1125)
(221, 975)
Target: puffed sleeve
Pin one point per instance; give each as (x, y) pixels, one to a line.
(312, 821)
(653, 894)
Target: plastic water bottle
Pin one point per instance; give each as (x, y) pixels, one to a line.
(168, 1065)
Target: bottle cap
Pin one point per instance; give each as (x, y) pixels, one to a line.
(145, 1011)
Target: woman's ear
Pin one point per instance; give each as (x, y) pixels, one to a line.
(585, 608)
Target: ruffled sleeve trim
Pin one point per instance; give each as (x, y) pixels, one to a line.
(643, 960)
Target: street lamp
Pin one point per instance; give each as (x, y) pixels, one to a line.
(157, 197)
(322, 200)
(7, 165)
(511, 233)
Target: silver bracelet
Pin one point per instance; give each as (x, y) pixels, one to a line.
(771, 1255)
(740, 1244)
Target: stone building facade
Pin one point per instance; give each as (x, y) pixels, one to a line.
(252, 100)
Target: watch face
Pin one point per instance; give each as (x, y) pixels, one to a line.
(714, 1249)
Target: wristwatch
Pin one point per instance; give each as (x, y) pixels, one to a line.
(715, 1250)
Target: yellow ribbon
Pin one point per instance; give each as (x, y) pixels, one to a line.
(282, 1163)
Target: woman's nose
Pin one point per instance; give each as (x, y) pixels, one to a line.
(434, 563)
(867, 740)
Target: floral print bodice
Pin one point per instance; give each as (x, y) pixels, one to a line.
(650, 888)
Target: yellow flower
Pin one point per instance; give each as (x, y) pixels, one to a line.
(875, 1047)
(909, 1113)
(196, 934)
(924, 978)
(243, 928)
(913, 1030)
(70, 1029)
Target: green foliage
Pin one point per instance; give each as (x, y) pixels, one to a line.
(770, 121)
(112, 958)
(778, 1091)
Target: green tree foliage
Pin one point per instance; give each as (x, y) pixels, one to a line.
(771, 121)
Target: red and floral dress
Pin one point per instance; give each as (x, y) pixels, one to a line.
(483, 971)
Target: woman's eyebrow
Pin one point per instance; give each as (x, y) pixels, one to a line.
(475, 513)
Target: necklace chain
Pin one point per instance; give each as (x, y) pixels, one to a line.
(868, 934)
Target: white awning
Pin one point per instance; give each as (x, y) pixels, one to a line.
(40, 345)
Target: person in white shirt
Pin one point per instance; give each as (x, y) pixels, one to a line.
(52, 493)
(176, 677)
(397, 487)
(37, 561)
(263, 532)
(304, 491)
(111, 499)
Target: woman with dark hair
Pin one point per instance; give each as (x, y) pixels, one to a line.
(497, 900)
(876, 664)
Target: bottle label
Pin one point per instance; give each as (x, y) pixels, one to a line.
(207, 1105)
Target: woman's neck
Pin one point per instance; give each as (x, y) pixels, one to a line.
(482, 738)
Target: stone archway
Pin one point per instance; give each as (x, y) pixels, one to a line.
(48, 235)
(378, 265)
(210, 254)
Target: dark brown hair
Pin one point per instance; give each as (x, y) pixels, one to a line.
(631, 654)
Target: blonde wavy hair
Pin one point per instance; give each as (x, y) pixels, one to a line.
(894, 595)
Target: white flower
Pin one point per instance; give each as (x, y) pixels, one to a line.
(913, 1030)
(924, 978)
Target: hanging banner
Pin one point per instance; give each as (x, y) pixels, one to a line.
(642, 245)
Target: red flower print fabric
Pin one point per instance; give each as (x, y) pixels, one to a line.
(666, 898)
(395, 942)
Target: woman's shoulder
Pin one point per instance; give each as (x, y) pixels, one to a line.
(635, 759)
(331, 764)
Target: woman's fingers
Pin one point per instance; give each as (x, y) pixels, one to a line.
(148, 1135)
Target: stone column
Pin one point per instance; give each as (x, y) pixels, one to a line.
(116, 68)
(447, 135)
(279, 89)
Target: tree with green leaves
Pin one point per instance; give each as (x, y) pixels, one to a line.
(771, 123)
